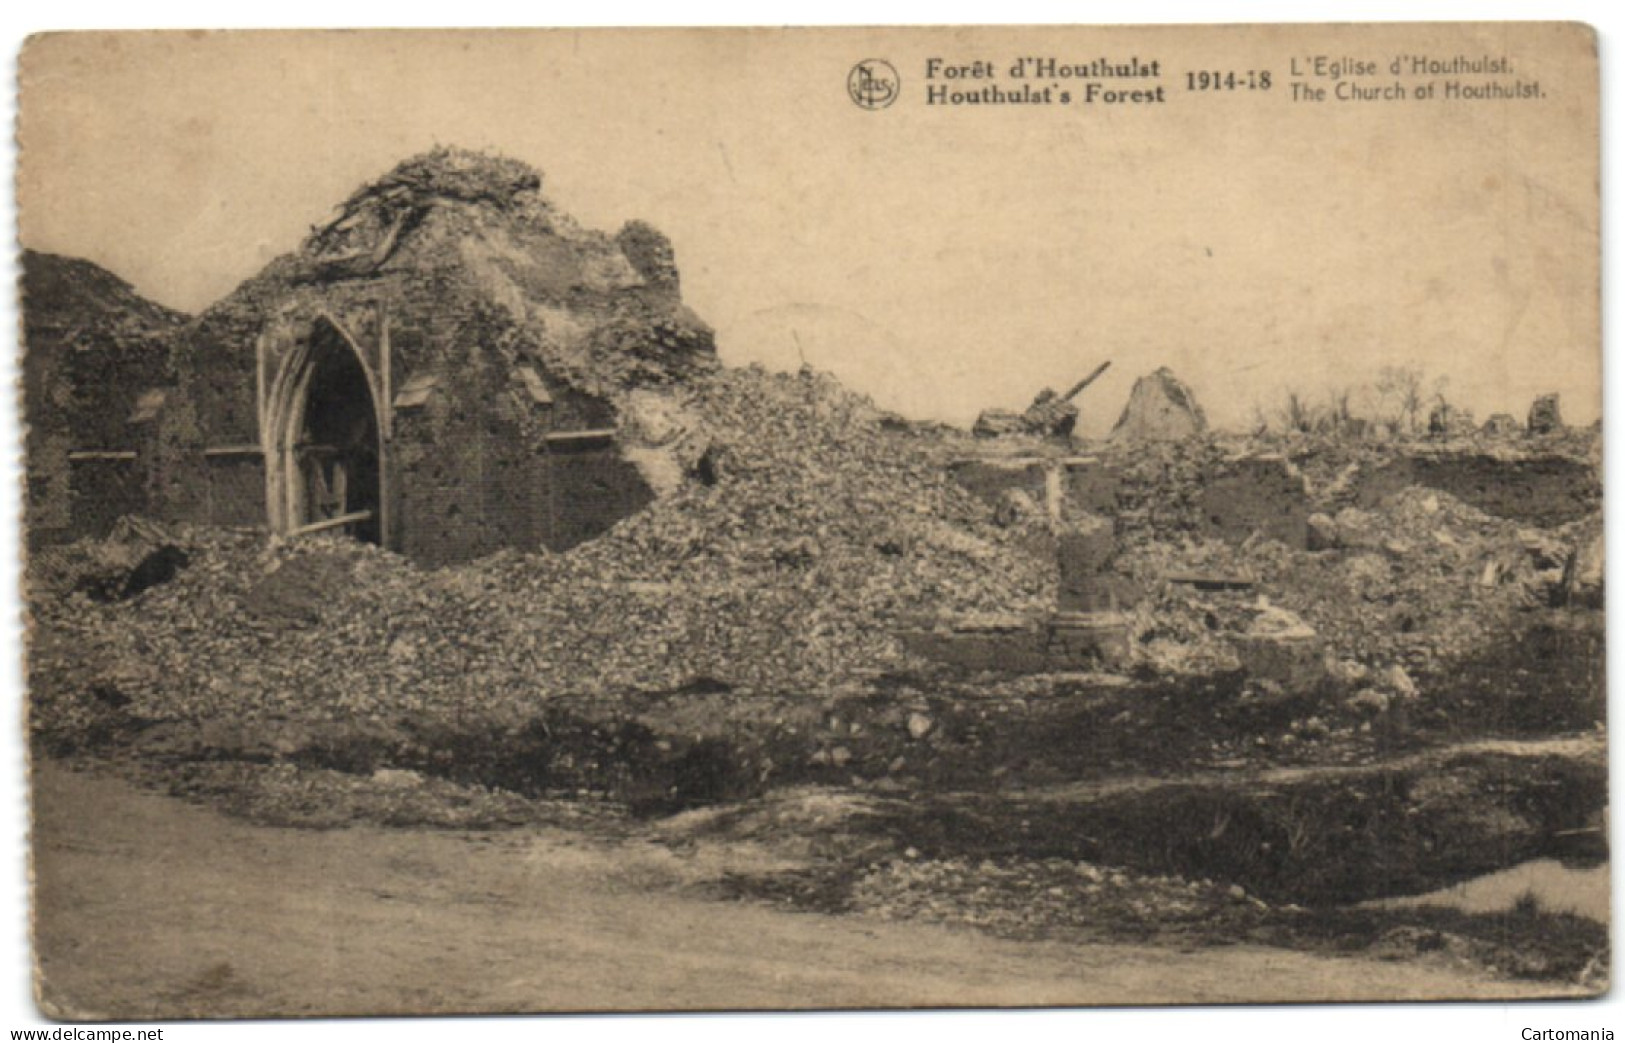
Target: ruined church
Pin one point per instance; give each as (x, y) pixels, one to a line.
(443, 369)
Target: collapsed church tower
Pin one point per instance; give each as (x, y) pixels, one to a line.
(444, 369)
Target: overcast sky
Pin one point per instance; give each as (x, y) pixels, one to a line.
(941, 259)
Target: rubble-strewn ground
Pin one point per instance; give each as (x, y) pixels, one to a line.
(236, 919)
(720, 676)
(780, 575)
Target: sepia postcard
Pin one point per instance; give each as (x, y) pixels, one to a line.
(730, 519)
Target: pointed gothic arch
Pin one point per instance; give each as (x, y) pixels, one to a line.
(323, 439)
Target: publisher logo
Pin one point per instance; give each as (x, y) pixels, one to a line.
(873, 84)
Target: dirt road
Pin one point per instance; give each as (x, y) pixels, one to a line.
(151, 908)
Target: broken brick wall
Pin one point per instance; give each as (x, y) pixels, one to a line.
(104, 491)
(93, 348)
(590, 488)
(990, 480)
(213, 404)
(469, 471)
(203, 461)
(469, 489)
(49, 505)
(1260, 496)
(451, 276)
(220, 379)
(236, 489)
(1092, 486)
(476, 472)
(1543, 491)
(73, 494)
(460, 465)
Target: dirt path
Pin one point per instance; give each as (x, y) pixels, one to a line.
(148, 907)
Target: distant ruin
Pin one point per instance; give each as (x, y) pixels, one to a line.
(1160, 408)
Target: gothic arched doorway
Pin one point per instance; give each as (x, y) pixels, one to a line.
(325, 472)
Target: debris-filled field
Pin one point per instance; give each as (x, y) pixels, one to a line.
(1410, 698)
(1178, 688)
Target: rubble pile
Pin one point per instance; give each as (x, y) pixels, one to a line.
(820, 526)
(1049, 898)
(80, 309)
(786, 572)
(1424, 578)
(601, 312)
(1419, 580)
(1050, 415)
(1162, 484)
(135, 555)
(816, 530)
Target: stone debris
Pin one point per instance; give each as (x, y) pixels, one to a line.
(1279, 646)
(1398, 682)
(134, 556)
(1160, 409)
(994, 423)
(790, 572)
(1016, 508)
(804, 545)
(1038, 898)
(1051, 415)
(825, 537)
(1369, 702)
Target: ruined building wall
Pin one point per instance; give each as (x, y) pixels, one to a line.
(470, 468)
(208, 462)
(49, 505)
(476, 471)
(1544, 491)
(485, 462)
(494, 335)
(101, 491)
(94, 348)
(1258, 496)
(590, 488)
(460, 465)
(211, 465)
